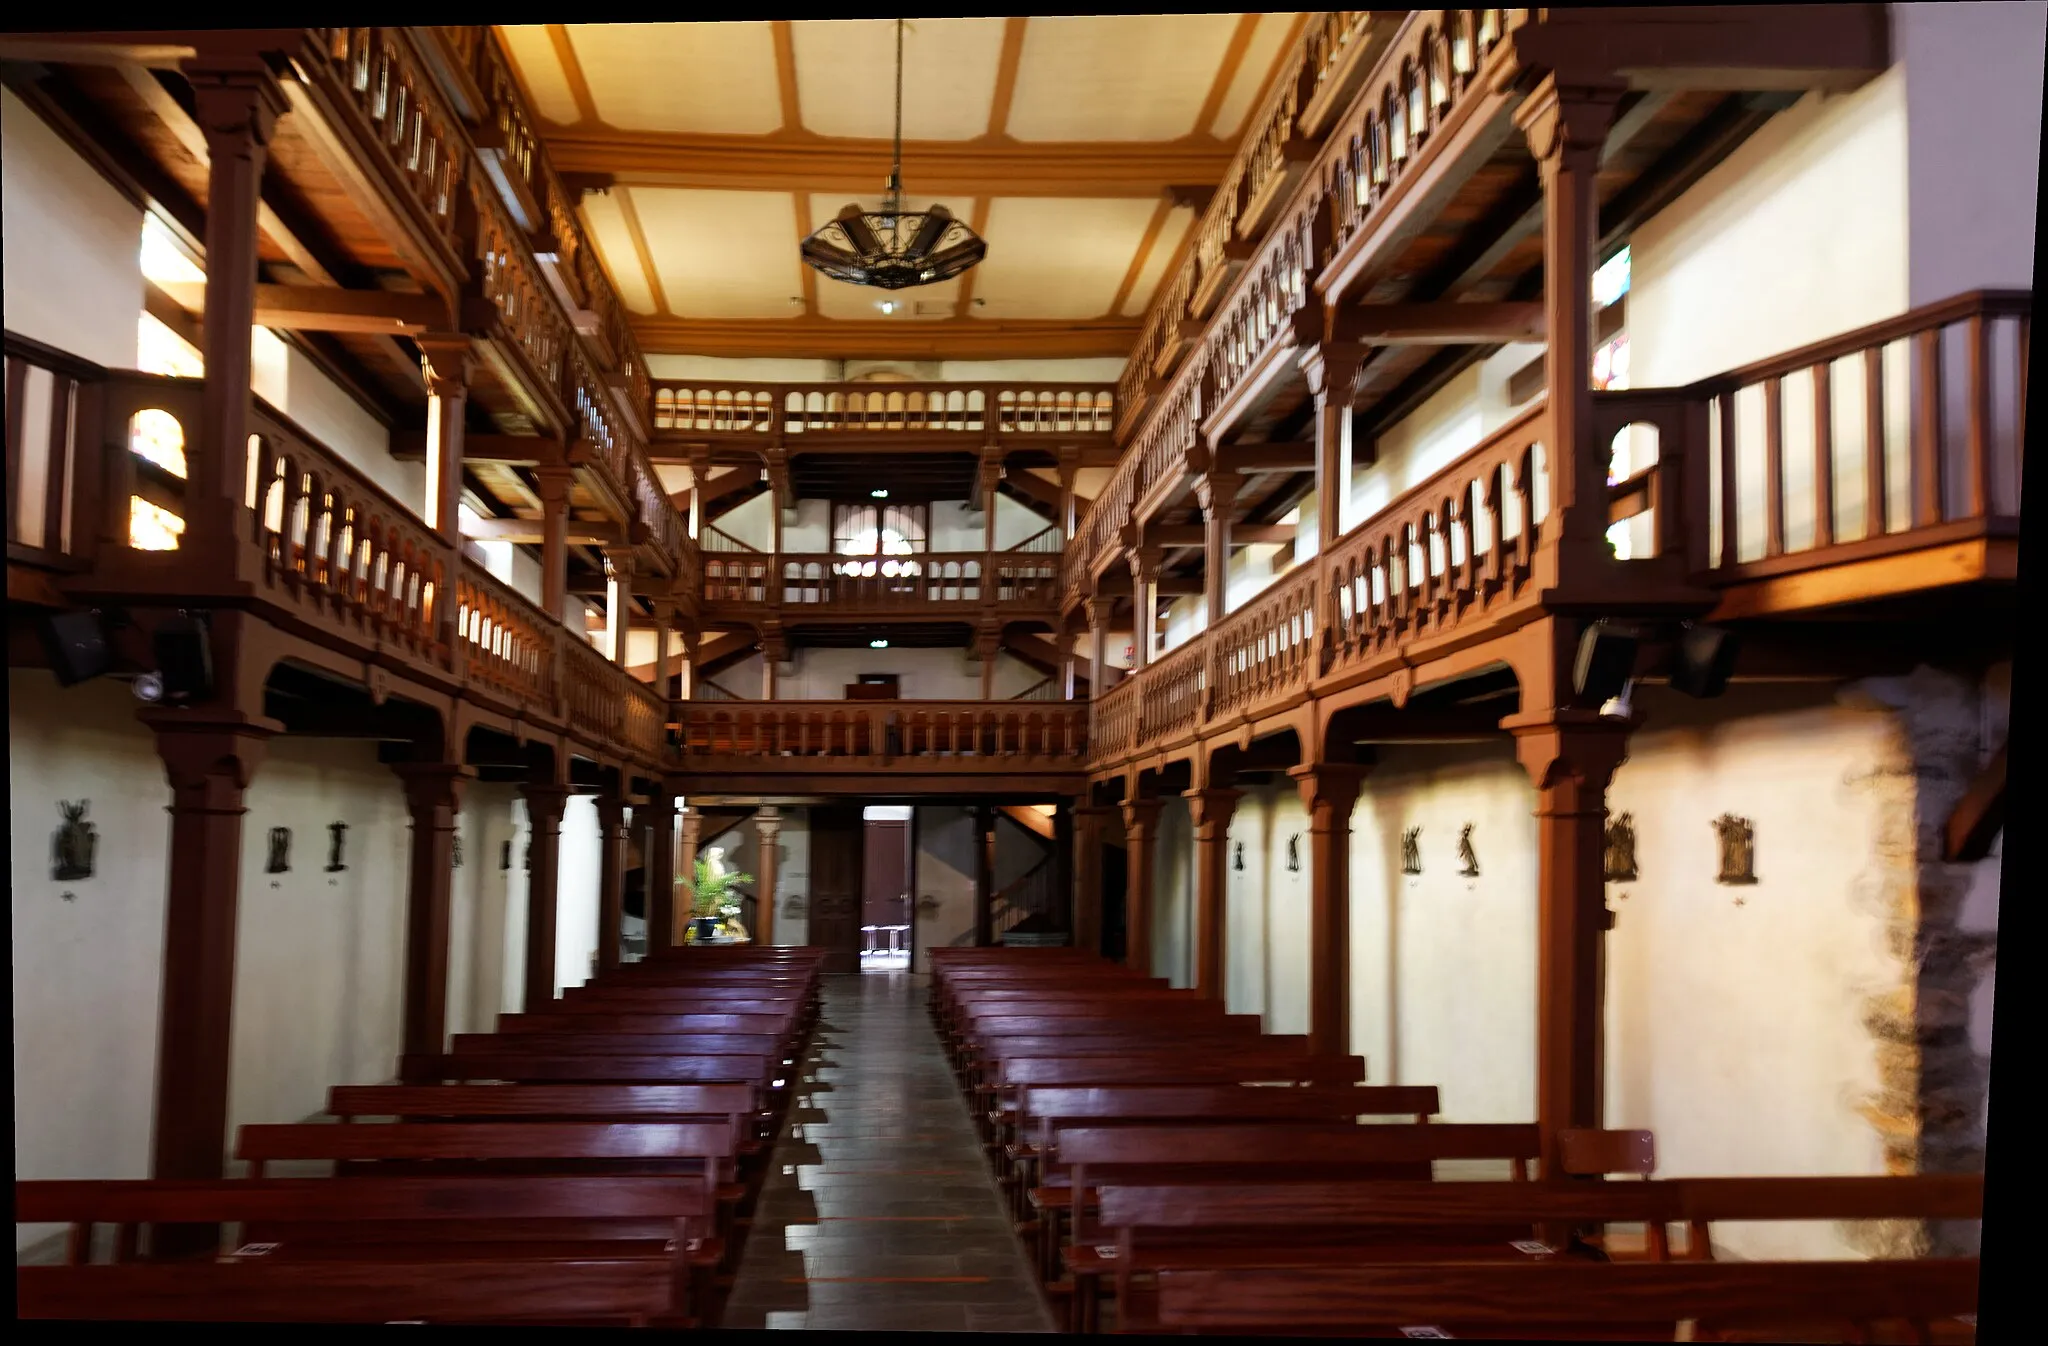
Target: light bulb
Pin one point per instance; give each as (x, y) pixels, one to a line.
(878, 644)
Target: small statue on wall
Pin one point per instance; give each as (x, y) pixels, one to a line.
(337, 835)
(1738, 850)
(457, 840)
(1237, 858)
(1466, 854)
(1411, 851)
(280, 860)
(1294, 855)
(75, 842)
(505, 856)
(1621, 849)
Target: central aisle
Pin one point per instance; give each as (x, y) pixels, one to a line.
(879, 1213)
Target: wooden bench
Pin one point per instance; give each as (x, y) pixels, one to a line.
(739, 1105)
(630, 1044)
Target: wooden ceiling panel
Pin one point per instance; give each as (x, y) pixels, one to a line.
(605, 218)
(540, 70)
(1269, 42)
(705, 77)
(1053, 258)
(846, 71)
(1151, 267)
(1117, 77)
(722, 254)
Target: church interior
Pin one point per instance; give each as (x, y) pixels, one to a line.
(1265, 674)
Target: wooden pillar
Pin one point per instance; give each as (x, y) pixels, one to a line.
(686, 852)
(1144, 605)
(658, 815)
(1141, 830)
(1063, 863)
(1329, 790)
(433, 798)
(686, 668)
(1066, 646)
(988, 642)
(1566, 126)
(768, 828)
(545, 802)
(237, 105)
(1212, 810)
(989, 477)
(1216, 493)
(1332, 370)
(209, 765)
(1070, 470)
(611, 879)
(618, 570)
(1097, 610)
(446, 362)
(773, 652)
(1571, 756)
(1089, 821)
(984, 875)
(554, 483)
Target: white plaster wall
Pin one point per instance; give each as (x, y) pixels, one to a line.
(1245, 903)
(724, 368)
(793, 879)
(1173, 895)
(576, 893)
(1436, 434)
(945, 880)
(480, 978)
(72, 271)
(1268, 975)
(512, 929)
(823, 673)
(1104, 369)
(753, 522)
(1443, 967)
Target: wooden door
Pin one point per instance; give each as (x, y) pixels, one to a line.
(885, 891)
(836, 886)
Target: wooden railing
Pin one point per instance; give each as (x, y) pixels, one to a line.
(415, 132)
(1035, 892)
(1265, 649)
(920, 582)
(56, 507)
(691, 407)
(941, 735)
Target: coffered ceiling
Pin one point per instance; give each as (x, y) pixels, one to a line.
(1080, 147)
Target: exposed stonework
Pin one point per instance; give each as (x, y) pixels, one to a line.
(1928, 1109)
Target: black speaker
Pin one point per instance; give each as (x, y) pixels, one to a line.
(1607, 659)
(184, 654)
(1704, 661)
(76, 643)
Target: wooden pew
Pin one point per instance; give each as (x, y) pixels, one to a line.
(1576, 1301)
(761, 1045)
(664, 1222)
(1223, 1226)
(738, 1105)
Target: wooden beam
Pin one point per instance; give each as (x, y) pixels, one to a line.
(630, 214)
(1226, 70)
(572, 74)
(510, 450)
(1241, 534)
(533, 532)
(1146, 243)
(1006, 77)
(783, 162)
(940, 339)
(1253, 459)
(1438, 324)
(785, 75)
(1979, 816)
(316, 308)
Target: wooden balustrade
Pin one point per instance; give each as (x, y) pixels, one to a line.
(531, 316)
(55, 456)
(415, 132)
(509, 643)
(1171, 691)
(919, 582)
(1113, 719)
(989, 735)
(700, 406)
(1266, 649)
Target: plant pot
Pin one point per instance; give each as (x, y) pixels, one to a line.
(704, 928)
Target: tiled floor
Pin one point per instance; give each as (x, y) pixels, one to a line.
(880, 1214)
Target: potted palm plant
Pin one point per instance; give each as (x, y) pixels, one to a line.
(714, 898)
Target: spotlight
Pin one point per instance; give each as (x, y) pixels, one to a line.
(878, 644)
(1607, 660)
(148, 687)
(879, 493)
(1705, 661)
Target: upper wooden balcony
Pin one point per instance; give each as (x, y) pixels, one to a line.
(401, 195)
(792, 590)
(817, 416)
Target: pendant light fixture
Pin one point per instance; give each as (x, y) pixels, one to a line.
(894, 248)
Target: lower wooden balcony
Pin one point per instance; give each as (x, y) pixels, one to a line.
(344, 580)
(880, 748)
(1871, 477)
(821, 588)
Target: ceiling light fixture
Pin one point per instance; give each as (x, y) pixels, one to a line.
(879, 493)
(878, 644)
(894, 249)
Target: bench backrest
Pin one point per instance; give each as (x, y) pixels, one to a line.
(592, 1068)
(712, 1141)
(1140, 1042)
(1225, 1102)
(1200, 1068)
(542, 1100)
(1508, 1295)
(628, 1044)
(1253, 1145)
(683, 1021)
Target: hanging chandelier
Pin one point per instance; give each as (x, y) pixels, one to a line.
(894, 248)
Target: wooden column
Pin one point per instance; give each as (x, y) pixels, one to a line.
(989, 477)
(1332, 370)
(1097, 610)
(768, 829)
(433, 798)
(988, 642)
(1067, 661)
(984, 875)
(773, 652)
(1566, 126)
(446, 362)
(1070, 470)
(618, 570)
(1216, 493)
(1329, 790)
(658, 816)
(1063, 863)
(209, 765)
(237, 105)
(1144, 606)
(1211, 810)
(1089, 821)
(686, 853)
(553, 484)
(1141, 829)
(1571, 756)
(545, 801)
(611, 879)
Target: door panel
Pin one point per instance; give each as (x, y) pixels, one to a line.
(884, 892)
(836, 886)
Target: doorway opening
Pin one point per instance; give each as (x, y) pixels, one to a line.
(1115, 875)
(886, 928)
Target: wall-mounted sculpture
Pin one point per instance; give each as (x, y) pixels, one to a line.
(457, 839)
(1237, 858)
(1466, 854)
(1738, 850)
(505, 857)
(75, 843)
(1621, 849)
(1411, 851)
(337, 834)
(280, 859)
(1294, 854)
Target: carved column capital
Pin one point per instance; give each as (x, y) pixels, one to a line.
(236, 101)
(1332, 368)
(546, 801)
(1328, 790)
(1212, 809)
(447, 362)
(1141, 816)
(1570, 755)
(553, 484)
(210, 762)
(1218, 490)
(611, 813)
(1568, 120)
(434, 786)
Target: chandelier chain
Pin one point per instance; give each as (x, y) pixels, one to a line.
(896, 161)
